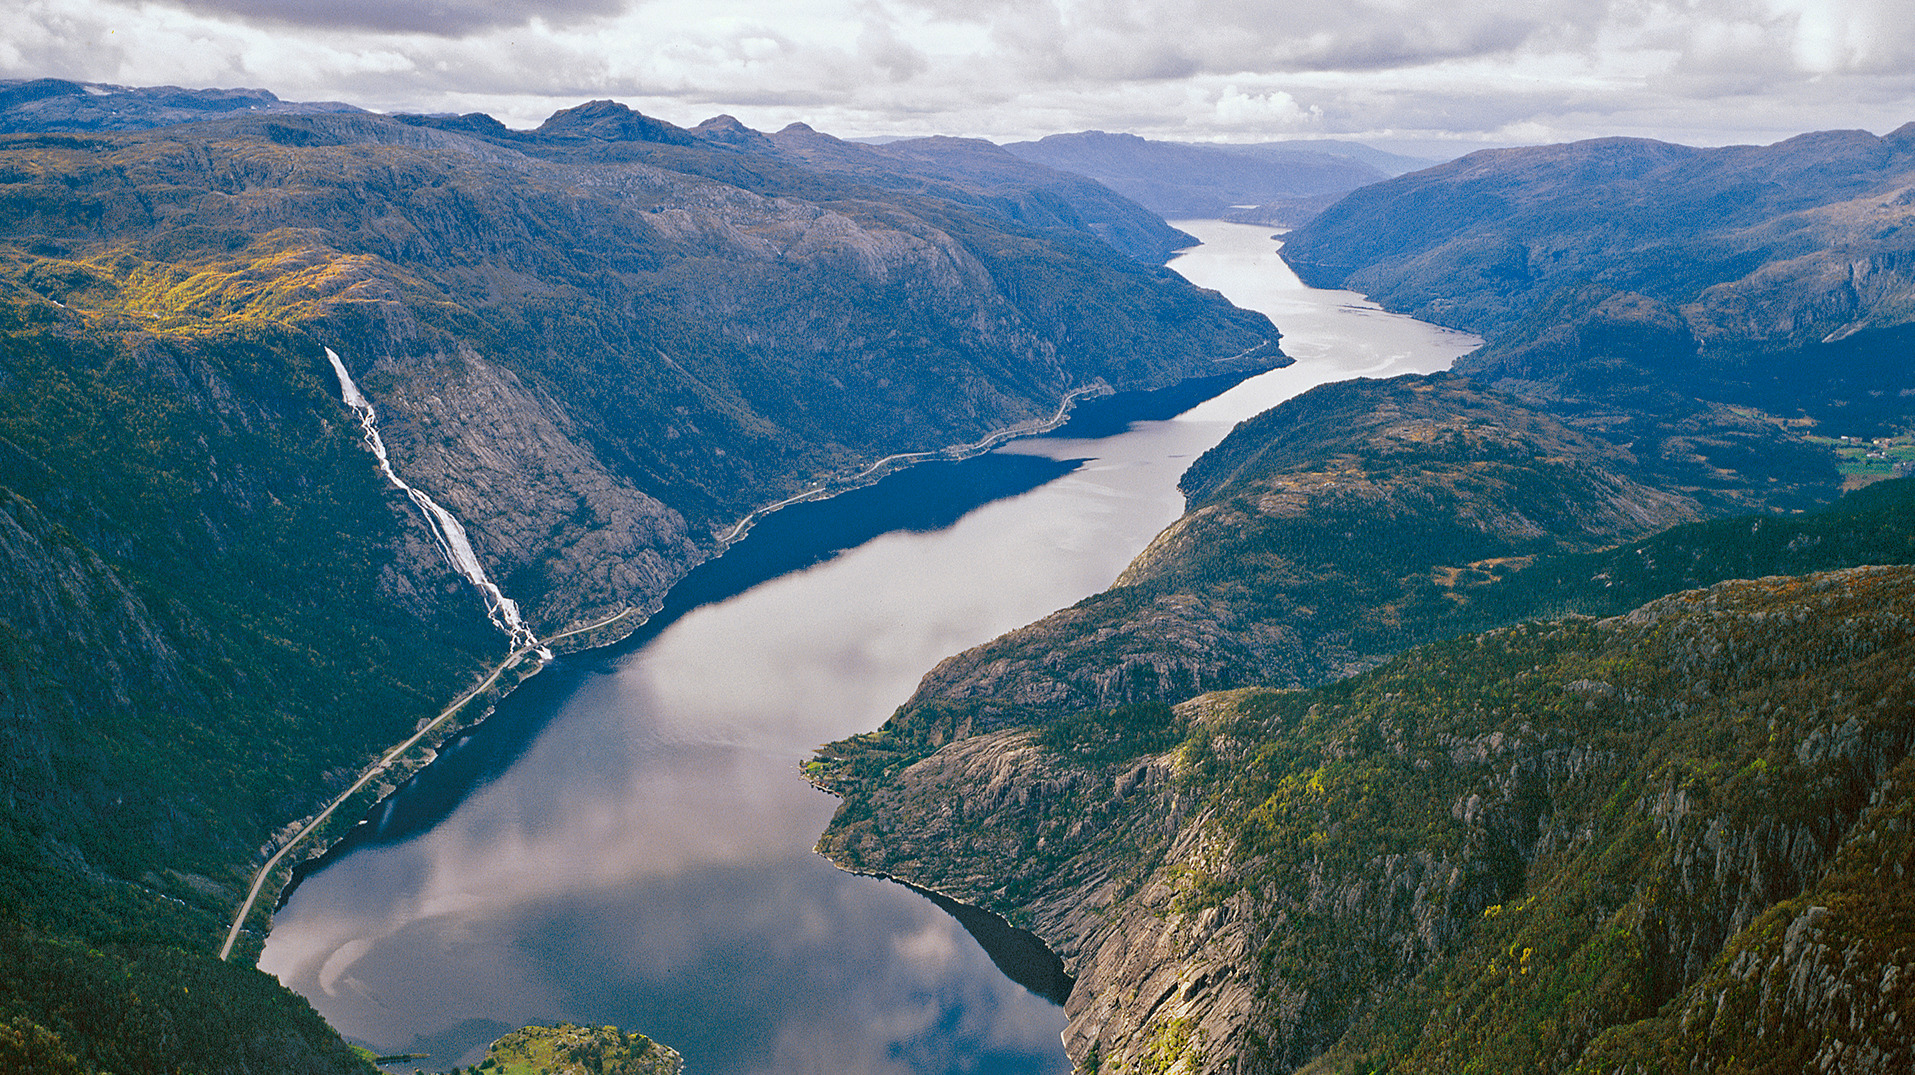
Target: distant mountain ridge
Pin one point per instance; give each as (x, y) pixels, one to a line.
(1217, 180)
(56, 104)
(1781, 276)
(1279, 183)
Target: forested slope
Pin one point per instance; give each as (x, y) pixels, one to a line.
(1669, 838)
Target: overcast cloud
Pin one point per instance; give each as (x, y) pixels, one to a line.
(1499, 71)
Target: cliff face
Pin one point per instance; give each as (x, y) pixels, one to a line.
(1519, 849)
(1589, 845)
(1630, 844)
(213, 608)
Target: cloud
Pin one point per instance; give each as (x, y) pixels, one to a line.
(1695, 70)
(445, 18)
(1236, 109)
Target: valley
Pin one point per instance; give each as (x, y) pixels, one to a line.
(650, 800)
(593, 355)
(1547, 711)
(1203, 787)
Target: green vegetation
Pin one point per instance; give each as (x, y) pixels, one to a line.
(1871, 459)
(1106, 736)
(1530, 849)
(574, 1050)
(200, 628)
(599, 345)
(203, 643)
(667, 300)
(1366, 517)
(1555, 846)
(1772, 276)
(131, 1007)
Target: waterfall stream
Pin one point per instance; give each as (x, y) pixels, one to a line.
(446, 527)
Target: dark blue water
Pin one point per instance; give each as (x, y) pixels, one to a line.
(927, 497)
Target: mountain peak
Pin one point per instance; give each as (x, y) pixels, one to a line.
(726, 130)
(610, 121)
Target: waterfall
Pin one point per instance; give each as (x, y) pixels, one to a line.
(445, 527)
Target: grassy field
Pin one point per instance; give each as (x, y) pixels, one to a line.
(1870, 459)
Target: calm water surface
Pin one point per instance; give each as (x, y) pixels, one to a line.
(644, 856)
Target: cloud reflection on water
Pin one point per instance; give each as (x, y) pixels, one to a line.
(646, 861)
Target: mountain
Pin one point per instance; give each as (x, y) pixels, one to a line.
(1390, 164)
(1667, 840)
(1680, 806)
(1325, 535)
(1345, 774)
(1177, 179)
(55, 104)
(591, 352)
(978, 173)
(1772, 276)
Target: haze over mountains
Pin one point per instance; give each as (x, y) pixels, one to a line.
(1280, 183)
(1265, 829)
(56, 104)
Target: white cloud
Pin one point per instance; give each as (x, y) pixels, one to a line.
(1698, 70)
(1267, 111)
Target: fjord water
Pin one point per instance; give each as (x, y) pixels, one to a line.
(642, 855)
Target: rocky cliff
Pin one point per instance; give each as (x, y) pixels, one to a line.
(1630, 844)
(1521, 850)
(1622, 844)
(708, 329)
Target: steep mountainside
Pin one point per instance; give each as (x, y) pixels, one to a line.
(993, 179)
(1330, 532)
(1777, 275)
(599, 346)
(602, 354)
(1349, 876)
(1670, 839)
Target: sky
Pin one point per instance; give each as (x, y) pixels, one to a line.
(1465, 73)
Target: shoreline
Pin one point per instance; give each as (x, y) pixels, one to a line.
(878, 470)
(1097, 389)
(304, 828)
(386, 760)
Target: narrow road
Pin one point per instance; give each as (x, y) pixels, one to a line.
(956, 451)
(266, 871)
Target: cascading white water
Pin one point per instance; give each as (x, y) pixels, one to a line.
(450, 534)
